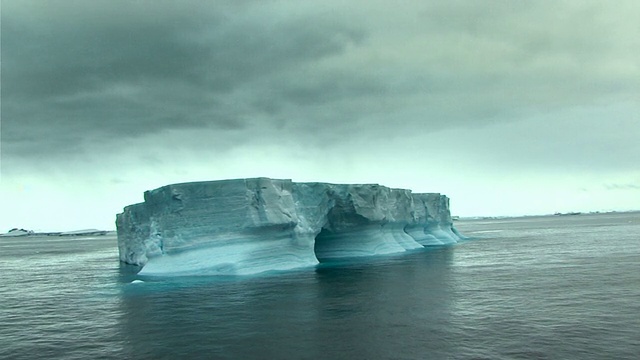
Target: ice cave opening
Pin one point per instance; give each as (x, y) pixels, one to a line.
(370, 240)
(325, 246)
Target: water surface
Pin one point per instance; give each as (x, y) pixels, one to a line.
(532, 288)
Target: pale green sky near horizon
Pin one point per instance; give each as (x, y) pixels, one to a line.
(509, 108)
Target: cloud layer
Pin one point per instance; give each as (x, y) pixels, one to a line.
(126, 87)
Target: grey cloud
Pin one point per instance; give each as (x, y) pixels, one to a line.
(119, 78)
(209, 55)
(107, 71)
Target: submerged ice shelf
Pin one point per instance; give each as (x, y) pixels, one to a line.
(248, 226)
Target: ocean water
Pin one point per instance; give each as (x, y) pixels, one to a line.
(558, 287)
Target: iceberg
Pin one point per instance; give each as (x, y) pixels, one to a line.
(249, 226)
(15, 232)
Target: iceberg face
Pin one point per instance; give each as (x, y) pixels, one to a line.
(235, 258)
(248, 226)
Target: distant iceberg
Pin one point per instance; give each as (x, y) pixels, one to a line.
(84, 232)
(248, 226)
(17, 232)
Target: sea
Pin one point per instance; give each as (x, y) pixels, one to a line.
(551, 287)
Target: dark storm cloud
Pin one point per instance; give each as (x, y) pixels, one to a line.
(78, 74)
(75, 73)
(214, 56)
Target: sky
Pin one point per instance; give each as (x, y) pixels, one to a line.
(508, 107)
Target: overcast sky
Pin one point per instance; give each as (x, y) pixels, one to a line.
(508, 107)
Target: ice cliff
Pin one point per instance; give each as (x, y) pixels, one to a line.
(247, 226)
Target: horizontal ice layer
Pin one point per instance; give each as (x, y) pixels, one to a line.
(248, 226)
(249, 256)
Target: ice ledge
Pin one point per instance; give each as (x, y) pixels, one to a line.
(247, 226)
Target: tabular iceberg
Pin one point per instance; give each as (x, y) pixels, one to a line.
(248, 226)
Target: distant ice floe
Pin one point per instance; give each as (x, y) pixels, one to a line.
(15, 232)
(85, 232)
